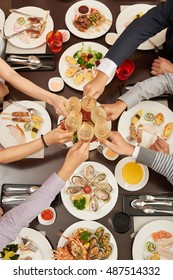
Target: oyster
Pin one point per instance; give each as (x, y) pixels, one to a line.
(101, 194)
(94, 203)
(79, 77)
(78, 180)
(90, 74)
(104, 186)
(74, 190)
(71, 71)
(70, 60)
(98, 178)
(89, 172)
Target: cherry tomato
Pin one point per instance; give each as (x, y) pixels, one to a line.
(87, 189)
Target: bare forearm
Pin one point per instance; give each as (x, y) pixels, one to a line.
(18, 152)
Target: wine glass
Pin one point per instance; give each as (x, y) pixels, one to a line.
(88, 103)
(73, 103)
(98, 113)
(102, 129)
(85, 132)
(73, 121)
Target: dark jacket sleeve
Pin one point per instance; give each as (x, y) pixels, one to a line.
(155, 20)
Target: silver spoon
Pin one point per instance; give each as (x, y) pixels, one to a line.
(151, 210)
(152, 198)
(32, 66)
(19, 190)
(31, 59)
(139, 203)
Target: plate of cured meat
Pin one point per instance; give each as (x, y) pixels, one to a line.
(86, 240)
(88, 19)
(143, 123)
(35, 21)
(154, 241)
(18, 126)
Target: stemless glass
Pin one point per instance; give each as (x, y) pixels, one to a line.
(54, 40)
(85, 132)
(73, 103)
(73, 121)
(87, 104)
(98, 113)
(102, 129)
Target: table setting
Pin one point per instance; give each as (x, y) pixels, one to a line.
(48, 60)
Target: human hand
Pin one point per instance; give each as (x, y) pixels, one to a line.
(75, 156)
(57, 136)
(160, 146)
(3, 90)
(161, 66)
(114, 110)
(118, 144)
(96, 87)
(1, 211)
(58, 102)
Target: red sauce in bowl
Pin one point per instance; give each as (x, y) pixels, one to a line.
(83, 9)
(47, 215)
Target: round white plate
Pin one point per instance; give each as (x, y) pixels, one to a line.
(126, 17)
(63, 65)
(6, 139)
(45, 250)
(91, 225)
(33, 43)
(93, 32)
(104, 208)
(146, 106)
(2, 41)
(122, 183)
(144, 233)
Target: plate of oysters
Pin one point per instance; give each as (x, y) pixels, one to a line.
(91, 192)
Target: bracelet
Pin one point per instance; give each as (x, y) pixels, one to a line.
(44, 143)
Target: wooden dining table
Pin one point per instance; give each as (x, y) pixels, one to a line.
(36, 171)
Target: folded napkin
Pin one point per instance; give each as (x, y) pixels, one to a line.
(140, 221)
(39, 154)
(13, 49)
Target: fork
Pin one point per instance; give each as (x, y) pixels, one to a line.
(29, 244)
(30, 110)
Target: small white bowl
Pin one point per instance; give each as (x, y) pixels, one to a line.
(65, 34)
(47, 222)
(111, 37)
(106, 156)
(56, 84)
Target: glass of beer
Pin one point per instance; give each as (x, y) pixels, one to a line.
(98, 113)
(87, 104)
(73, 121)
(102, 129)
(73, 103)
(85, 132)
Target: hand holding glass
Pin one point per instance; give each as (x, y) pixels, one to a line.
(73, 103)
(102, 129)
(73, 121)
(98, 113)
(85, 132)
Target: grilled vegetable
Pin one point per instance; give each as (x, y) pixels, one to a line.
(35, 130)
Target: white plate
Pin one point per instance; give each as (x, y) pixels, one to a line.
(33, 43)
(126, 16)
(147, 106)
(63, 65)
(93, 226)
(2, 41)
(104, 208)
(6, 139)
(91, 33)
(144, 233)
(45, 249)
(121, 182)
(106, 156)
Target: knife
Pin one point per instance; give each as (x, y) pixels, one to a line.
(15, 34)
(14, 199)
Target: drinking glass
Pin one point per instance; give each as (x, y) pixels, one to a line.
(125, 70)
(85, 132)
(73, 121)
(73, 103)
(87, 104)
(54, 40)
(102, 129)
(98, 113)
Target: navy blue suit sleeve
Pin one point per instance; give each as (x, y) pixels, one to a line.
(155, 20)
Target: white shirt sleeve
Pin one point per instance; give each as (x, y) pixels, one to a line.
(136, 152)
(108, 67)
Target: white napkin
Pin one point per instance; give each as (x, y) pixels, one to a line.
(39, 154)
(140, 221)
(13, 49)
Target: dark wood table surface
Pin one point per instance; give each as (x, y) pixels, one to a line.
(36, 171)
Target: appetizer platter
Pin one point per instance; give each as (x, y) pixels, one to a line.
(154, 241)
(92, 240)
(37, 23)
(91, 192)
(77, 65)
(88, 19)
(18, 126)
(145, 121)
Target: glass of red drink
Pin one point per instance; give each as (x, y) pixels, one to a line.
(125, 70)
(54, 40)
